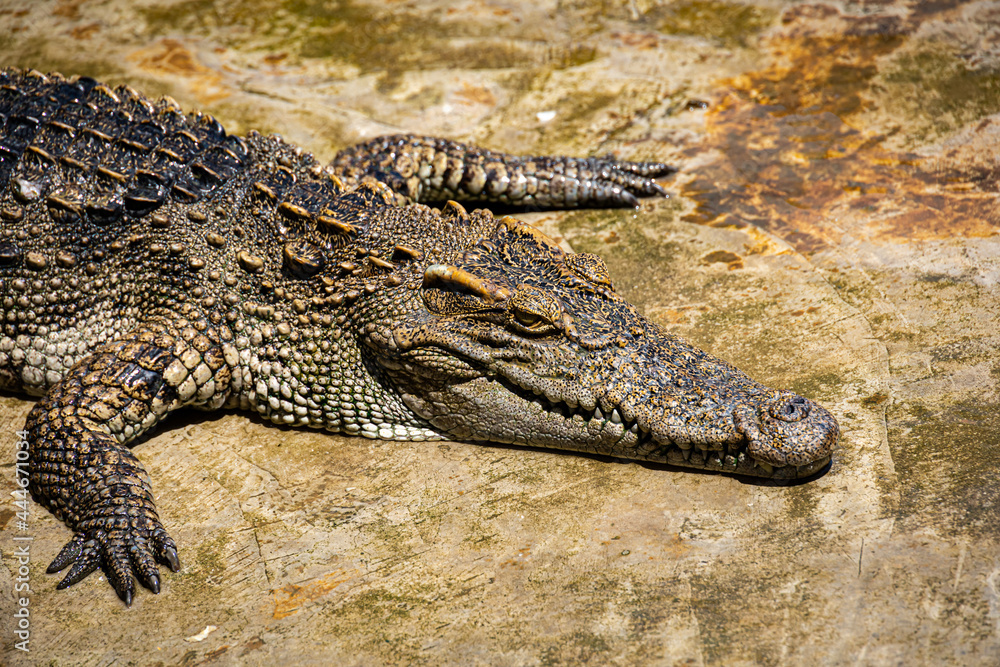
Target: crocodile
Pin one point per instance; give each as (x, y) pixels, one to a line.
(149, 262)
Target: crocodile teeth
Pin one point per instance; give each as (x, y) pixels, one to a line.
(598, 414)
(634, 430)
(615, 417)
(686, 453)
(768, 468)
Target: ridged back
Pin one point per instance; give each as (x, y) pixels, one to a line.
(115, 153)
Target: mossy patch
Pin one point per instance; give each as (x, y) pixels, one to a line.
(210, 560)
(373, 39)
(820, 386)
(627, 248)
(29, 52)
(381, 604)
(947, 457)
(380, 623)
(575, 111)
(938, 92)
(728, 23)
(578, 648)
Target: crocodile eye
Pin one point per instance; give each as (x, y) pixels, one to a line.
(528, 320)
(531, 323)
(530, 310)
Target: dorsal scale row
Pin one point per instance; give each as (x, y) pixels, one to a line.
(116, 154)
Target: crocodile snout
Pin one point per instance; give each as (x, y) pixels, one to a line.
(787, 429)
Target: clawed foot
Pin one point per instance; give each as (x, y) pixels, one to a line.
(119, 545)
(433, 170)
(630, 180)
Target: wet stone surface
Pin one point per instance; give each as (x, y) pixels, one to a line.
(833, 230)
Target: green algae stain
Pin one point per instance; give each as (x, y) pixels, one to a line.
(625, 246)
(731, 24)
(382, 605)
(381, 623)
(45, 57)
(947, 455)
(210, 561)
(580, 647)
(938, 91)
(382, 41)
(369, 38)
(818, 386)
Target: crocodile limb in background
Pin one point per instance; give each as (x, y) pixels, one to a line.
(149, 262)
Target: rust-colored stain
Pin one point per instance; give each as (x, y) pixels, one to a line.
(669, 315)
(518, 562)
(875, 400)
(289, 599)
(731, 259)
(672, 547)
(254, 644)
(275, 58)
(470, 94)
(795, 159)
(69, 9)
(87, 31)
(638, 40)
(171, 58)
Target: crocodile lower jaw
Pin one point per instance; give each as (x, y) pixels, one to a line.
(545, 422)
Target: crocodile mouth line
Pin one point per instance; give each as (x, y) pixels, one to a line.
(731, 458)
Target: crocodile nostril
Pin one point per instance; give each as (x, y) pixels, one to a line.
(793, 409)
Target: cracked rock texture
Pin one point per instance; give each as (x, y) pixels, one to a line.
(834, 230)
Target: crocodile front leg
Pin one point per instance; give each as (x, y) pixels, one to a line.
(79, 465)
(427, 169)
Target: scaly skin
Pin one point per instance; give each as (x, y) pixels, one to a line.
(150, 262)
(435, 170)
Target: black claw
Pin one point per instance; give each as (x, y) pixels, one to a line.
(153, 582)
(126, 597)
(69, 553)
(170, 554)
(76, 575)
(84, 565)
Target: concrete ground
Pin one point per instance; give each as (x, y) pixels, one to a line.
(833, 230)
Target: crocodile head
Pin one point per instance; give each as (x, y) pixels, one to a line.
(519, 342)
